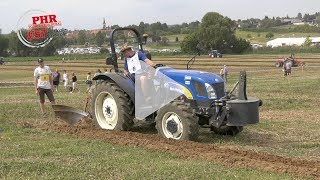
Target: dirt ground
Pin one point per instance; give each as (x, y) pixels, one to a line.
(146, 137)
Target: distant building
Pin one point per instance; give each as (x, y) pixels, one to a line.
(104, 25)
(279, 42)
(296, 22)
(90, 33)
(0, 31)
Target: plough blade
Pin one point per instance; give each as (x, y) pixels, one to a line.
(69, 114)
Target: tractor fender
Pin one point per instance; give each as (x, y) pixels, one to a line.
(124, 82)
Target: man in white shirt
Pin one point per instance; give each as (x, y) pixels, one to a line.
(132, 66)
(43, 84)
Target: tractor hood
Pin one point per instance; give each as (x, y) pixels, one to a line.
(185, 76)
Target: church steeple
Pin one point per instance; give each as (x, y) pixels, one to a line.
(104, 23)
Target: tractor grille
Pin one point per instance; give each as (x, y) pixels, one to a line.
(219, 88)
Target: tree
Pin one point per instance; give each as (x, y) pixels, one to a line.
(318, 20)
(299, 16)
(164, 41)
(189, 43)
(215, 31)
(82, 37)
(239, 45)
(4, 44)
(269, 35)
(307, 42)
(99, 39)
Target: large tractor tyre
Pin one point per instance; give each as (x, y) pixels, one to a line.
(279, 64)
(177, 121)
(112, 108)
(227, 130)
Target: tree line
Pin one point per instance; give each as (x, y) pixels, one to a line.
(271, 23)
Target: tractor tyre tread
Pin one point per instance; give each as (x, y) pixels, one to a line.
(124, 104)
(188, 118)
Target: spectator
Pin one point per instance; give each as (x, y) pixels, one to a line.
(65, 79)
(43, 84)
(287, 67)
(56, 79)
(221, 73)
(74, 82)
(89, 81)
(225, 73)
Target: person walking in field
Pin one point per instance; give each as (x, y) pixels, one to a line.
(221, 73)
(89, 81)
(43, 84)
(56, 79)
(287, 67)
(74, 82)
(224, 73)
(65, 79)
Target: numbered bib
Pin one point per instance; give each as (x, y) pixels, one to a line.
(44, 77)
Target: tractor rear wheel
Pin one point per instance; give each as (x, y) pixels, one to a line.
(227, 130)
(177, 121)
(279, 64)
(112, 108)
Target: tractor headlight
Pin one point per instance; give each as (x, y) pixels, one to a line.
(210, 91)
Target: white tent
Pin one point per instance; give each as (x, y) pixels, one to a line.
(291, 41)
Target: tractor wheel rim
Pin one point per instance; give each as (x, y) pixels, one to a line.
(106, 111)
(172, 125)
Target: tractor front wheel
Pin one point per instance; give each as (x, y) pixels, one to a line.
(177, 121)
(111, 107)
(227, 130)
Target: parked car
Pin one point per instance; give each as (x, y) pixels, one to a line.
(215, 53)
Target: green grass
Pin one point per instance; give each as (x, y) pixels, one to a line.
(32, 154)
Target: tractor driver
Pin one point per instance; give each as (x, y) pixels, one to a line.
(133, 66)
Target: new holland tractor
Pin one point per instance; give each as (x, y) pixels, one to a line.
(201, 101)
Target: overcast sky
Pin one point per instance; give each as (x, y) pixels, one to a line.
(88, 14)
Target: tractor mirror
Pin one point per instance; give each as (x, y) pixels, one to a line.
(109, 61)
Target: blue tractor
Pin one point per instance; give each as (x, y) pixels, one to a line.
(204, 102)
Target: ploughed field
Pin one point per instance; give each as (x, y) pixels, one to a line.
(285, 144)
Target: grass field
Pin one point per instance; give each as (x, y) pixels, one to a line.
(289, 127)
